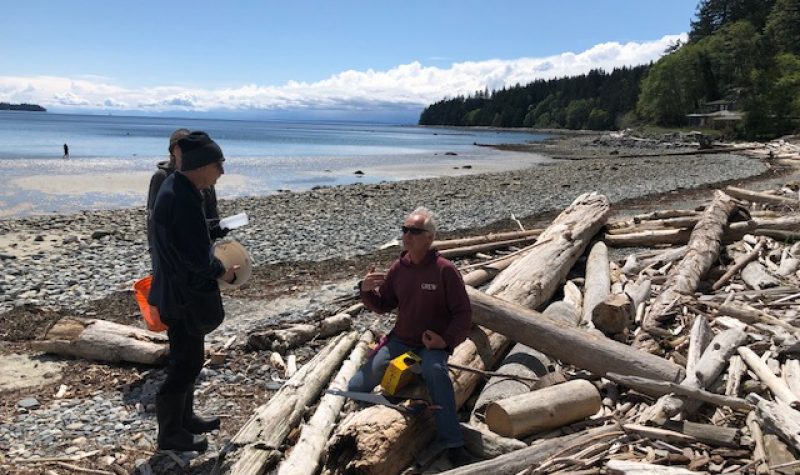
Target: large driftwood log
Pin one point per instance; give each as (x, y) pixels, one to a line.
(539, 451)
(627, 467)
(598, 282)
(544, 409)
(305, 455)
(379, 440)
(778, 418)
(527, 280)
(599, 355)
(661, 388)
(101, 340)
(701, 253)
(295, 335)
(484, 239)
(755, 196)
(266, 430)
(484, 247)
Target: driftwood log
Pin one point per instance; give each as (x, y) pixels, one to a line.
(296, 335)
(598, 282)
(260, 437)
(544, 409)
(102, 340)
(305, 455)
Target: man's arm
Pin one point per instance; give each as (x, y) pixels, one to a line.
(381, 299)
(459, 306)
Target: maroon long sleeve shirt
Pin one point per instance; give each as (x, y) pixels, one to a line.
(428, 296)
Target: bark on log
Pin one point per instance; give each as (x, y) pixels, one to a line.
(296, 335)
(544, 409)
(778, 418)
(598, 282)
(305, 455)
(102, 340)
(512, 463)
(702, 252)
(266, 430)
(597, 354)
(380, 440)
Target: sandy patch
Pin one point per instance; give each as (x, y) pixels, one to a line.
(25, 371)
(24, 244)
(107, 183)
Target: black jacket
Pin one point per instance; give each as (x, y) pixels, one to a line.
(185, 270)
(209, 203)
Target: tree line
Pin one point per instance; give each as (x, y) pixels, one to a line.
(744, 51)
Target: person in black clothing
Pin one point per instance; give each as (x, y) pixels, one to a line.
(185, 288)
(66, 151)
(165, 169)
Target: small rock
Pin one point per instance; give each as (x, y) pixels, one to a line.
(28, 403)
(101, 233)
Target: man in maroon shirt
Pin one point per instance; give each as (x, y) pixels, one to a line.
(434, 316)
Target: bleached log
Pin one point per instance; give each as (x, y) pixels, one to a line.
(484, 247)
(660, 224)
(307, 451)
(759, 455)
(544, 409)
(756, 277)
(791, 374)
(702, 252)
(778, 418)
(751, 315)
(618, 311)
(706, 433)
(266, 430)
(597, 354)
(442, 245)
(296, 335)
(627, 467)
(488, 272)
(699, 337)
(653, 387)
(598, 281)
(379, 440)
(539, 451)
(660, 258)
(775, 384)
(755, 196)
(101, 340)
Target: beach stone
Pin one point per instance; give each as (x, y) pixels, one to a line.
(101, 233)
(28, 403)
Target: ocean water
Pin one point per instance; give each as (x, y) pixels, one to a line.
(112, 157)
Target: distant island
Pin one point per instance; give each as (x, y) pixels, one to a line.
(5, 106)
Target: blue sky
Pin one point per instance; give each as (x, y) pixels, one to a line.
(254, 57)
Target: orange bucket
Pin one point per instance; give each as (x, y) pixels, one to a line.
(152, 318)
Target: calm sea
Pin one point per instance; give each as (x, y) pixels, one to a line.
(262, 156)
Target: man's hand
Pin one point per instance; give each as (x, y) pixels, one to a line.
(230, 274)
(433, 341)
(372, 280)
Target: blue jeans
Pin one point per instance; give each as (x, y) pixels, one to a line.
(434, 372)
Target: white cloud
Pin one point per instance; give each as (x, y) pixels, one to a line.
(404, 86)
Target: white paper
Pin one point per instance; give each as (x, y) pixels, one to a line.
(233, 222)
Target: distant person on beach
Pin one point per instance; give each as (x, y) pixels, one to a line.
(434, 316)
(66, 151)
(185, 289)
(165, 169)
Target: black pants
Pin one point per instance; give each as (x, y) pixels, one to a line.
(186, 353)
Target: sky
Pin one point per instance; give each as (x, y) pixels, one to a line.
(312, 59)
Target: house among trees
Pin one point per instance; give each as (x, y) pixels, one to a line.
(720, 114)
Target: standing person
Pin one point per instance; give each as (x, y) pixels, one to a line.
(434, 316)
(66, 151)
(185, 288)
(165, 169)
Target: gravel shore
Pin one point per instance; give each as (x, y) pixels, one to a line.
(66, 260)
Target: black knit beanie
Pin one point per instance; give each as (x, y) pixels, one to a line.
(197, 150)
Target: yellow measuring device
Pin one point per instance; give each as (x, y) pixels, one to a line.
(400, 372)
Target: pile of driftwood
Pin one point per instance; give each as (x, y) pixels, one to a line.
(679, 357)
(675, 359)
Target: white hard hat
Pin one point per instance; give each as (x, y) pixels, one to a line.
(231, 253)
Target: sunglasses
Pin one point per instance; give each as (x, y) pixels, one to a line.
(414, 231)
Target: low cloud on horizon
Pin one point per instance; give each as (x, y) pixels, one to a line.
(405, 87)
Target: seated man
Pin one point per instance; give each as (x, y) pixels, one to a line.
(434, 316)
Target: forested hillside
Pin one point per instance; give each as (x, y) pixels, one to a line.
(746, 52)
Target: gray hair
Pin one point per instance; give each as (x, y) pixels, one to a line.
(429, 224)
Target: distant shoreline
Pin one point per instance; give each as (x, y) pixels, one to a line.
(5, 106)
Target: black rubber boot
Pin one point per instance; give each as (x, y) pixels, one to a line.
(194, 423)
(171, 434)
